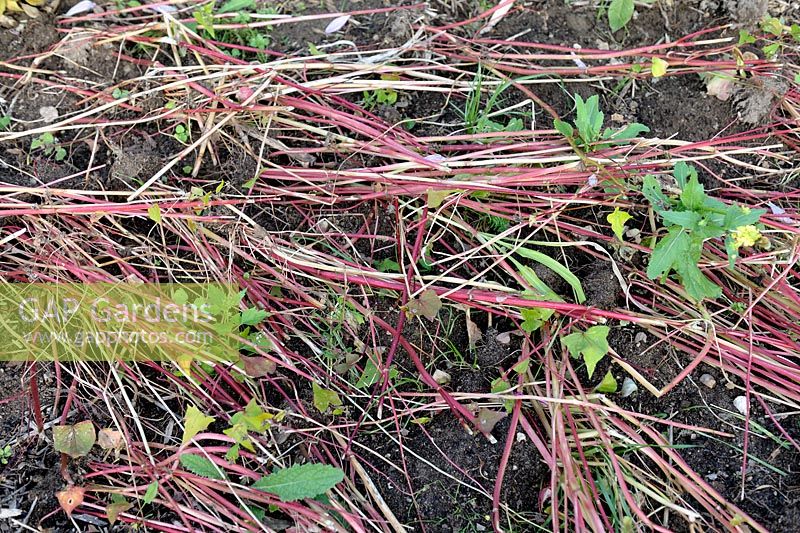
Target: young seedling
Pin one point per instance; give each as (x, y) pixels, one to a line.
(589, 126)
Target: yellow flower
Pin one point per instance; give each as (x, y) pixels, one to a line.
(746, 236)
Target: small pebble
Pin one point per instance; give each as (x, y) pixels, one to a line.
(640, 337)
(708, 380)
(504, 338)
(441, 377)
(730, 385)
(628, 387)
(740, 402)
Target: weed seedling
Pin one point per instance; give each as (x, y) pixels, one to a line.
(692, 219)
(589, 124)
(47, 143)
(5, 454)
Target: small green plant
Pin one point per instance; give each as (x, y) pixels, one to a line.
(120, 93)
(589, 126)
(47, 143)
(777, 29)
(693, 218)
(478, 117)
(5, 454)
(204, 17)
(591, 345)
(5, 122)
(382, 96)
(619, 13)
(181, 133)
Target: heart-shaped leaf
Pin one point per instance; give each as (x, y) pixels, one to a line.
(70, 498)
(75, 440)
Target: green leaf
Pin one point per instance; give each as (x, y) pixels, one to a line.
(772, 25)
(564, 128)
(659, 67)
(372, 375)
(534, 317)
(591, 344)
(201, 466)
(589, 118)
(253, 316)
(736, 216)
(522, 366)
(194, 422)
(154, 212)
(300, 481)
(324, 398)
(553, 265)
(686, 219)
(693, 194)
(617, 219)
(236, 5)
(697, 285)
(387, 265)
(608, 385)
(651, 189)
(74, 440)
(619, 14)
(669, 250)
(771, 50)
(682, 171)
(745, 38)
(151, 492)
(542, 291)
(630, 131)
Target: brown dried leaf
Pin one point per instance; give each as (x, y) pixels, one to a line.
(70, 498)
(258, 367)
(113, 510)
(426, 304)
(488, 418)
(110, 439)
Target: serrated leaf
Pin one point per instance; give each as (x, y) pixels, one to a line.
(324, 398)
(534, 317)
(658, 67)
(426, 304)
(592, 345)
(74, 440)
(194, 422)
(617, 219)
(609, 384)
(300, 481)
(736, 216)
(253, 316)
(201, 466)
(151, 493)
(669, 250)
(619, 13)
(154, 212)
